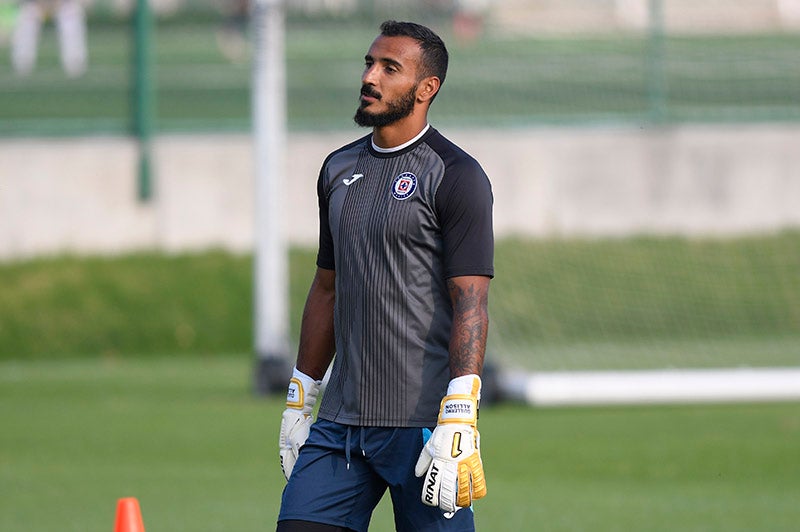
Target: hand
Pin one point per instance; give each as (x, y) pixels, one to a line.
(297, 418)
(451, 460)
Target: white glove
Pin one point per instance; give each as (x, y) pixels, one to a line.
(297, 418)
(451, 460)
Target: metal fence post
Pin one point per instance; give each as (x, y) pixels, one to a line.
(657, 87)
(143, 95)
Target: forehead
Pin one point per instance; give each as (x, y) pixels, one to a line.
(401, 49)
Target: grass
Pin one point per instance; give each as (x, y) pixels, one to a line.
(555, 304)
(143, 303)
(131, 376)
(186, 437)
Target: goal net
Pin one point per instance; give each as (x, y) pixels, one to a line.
(648, 319)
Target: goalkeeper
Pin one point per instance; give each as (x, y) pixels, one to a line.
(400, 297)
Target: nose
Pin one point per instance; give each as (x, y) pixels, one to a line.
(369, 76)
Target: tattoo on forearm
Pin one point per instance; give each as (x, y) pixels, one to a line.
(470, 327)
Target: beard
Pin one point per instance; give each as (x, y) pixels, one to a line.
(396, 110)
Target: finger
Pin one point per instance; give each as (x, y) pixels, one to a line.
(423, 462)
(464, 497)
(478, 482)
(448, 490)
(287, 462)
(431, 486)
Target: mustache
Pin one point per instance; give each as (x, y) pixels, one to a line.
(366, 90)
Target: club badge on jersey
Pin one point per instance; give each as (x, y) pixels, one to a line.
(404, 186)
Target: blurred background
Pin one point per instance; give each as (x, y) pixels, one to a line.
(516, 63)
(643, 156)
(645, 164)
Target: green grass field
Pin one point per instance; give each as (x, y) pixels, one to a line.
(131, 376)
(186, 437)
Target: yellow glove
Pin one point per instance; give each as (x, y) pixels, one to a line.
(451, 460)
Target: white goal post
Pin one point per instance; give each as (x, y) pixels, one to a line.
(271, 270)
(667, 386)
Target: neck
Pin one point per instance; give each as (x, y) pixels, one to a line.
(399, 132)
(402, 146)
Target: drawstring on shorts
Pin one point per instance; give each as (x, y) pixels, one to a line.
(347, 448)
(360, 444)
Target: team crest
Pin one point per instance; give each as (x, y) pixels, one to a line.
(404, 186)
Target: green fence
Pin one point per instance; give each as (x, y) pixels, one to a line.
(200, 72)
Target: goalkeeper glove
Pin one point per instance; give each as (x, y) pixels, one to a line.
(451, 460)
(297, 418)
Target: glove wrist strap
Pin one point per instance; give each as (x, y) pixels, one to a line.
(302, 392)
(459, 408)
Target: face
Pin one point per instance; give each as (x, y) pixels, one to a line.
(389, 82)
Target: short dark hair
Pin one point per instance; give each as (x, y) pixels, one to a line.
(434, 52)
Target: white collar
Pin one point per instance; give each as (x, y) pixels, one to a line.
(402, 146)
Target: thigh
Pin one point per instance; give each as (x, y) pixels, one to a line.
(395, 462)
(308, 526)
(327, 487)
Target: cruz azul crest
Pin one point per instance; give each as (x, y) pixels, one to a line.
(404, 186)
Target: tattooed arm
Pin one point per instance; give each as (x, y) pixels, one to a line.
(470, 298)
(451, 459)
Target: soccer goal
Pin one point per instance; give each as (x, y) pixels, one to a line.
(648, 320)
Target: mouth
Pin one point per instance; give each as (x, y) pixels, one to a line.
(369, 95)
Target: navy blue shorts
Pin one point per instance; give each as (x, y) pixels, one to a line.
(342, 473)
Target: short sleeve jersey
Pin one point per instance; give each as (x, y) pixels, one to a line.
(395, 226)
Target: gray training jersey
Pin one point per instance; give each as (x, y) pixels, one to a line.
(394, 226)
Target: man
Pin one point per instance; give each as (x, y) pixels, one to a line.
(400, 296)
(71, 23)
(232, 35)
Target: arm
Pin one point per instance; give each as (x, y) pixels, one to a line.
(451, 460)
(317, 347)
(470, 298)
(317, 343)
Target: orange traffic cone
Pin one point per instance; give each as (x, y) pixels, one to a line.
(129, 516)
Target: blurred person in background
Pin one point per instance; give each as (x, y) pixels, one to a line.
(70, 19)
(232, 35)
(468, 19)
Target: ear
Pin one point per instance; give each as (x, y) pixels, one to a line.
(427, 89)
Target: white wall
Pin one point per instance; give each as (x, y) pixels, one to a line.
(79, 195)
